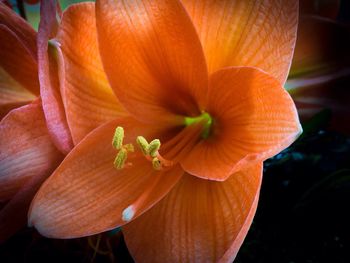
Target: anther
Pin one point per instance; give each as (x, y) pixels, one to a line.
(143, 144)
(154, 147)
(117, 143)
(156, 163)
(118, 138)
(119, 161)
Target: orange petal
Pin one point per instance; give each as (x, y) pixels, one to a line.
(87, 195)
(198, 221)
(89, 100)
(329, 9)
(13, 216)
(152, 57)
(26, 148)
(5, 108)
(254, 119)
(17, 61)
(11, 91)
(322, 47)
(19, 27)
(247, 33)
(49, 82)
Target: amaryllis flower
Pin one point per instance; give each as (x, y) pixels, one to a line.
(27, 155)
(173, 107)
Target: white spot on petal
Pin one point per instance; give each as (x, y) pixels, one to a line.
(128, 213)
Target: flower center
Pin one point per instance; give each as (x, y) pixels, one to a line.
(204, 118)
(177, 146)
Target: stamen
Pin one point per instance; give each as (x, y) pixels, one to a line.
(128, 213)
(149, 150)
(118, 137)
(119, 161)
(157, 165)
(122, 155)
(154, 147)
(143, 144)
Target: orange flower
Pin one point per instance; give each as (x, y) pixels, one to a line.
(27, 155)
(198, 85)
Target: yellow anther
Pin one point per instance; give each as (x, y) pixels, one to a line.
(154, 147)
(119, 161)
(118, 137)
(143, 144)
(156, 163)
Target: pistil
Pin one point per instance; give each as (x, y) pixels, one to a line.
(204, 118)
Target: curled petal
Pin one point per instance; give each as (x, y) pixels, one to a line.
(198, 221)
(254, 119)
(49, 81)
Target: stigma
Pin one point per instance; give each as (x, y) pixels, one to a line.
(207, 121)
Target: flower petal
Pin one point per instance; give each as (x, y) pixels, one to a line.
(329, 9)
(322, 48)
(11, 91)
(254, 119)
(247, 33)
(87, 195)
(13, 215)
(5, 108)
(17, 61)
(26, 148)
(19, 27)
(198, 221)
(89, 100)
(152, 57)
(49, 82)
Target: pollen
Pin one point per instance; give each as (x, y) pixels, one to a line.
(156, 163)
(151, 152)
(118, 138)
(123, 150)
(154, 147)
(119, 161)
(143, 144)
